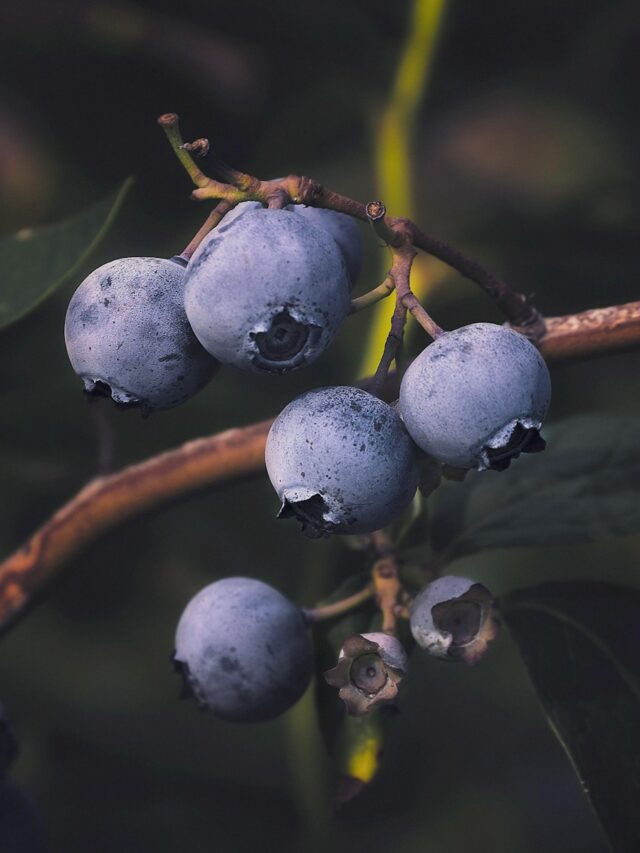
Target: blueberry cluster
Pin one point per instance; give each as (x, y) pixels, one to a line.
(245, 654)
(265, 291)
(343, 461)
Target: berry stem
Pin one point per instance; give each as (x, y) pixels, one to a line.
(391, 347)
(223, 207)
(377, 216)
(376, 295)
(337, 608)
(400, 273)
(403, 258)
(170, 124)
(304, 190)
(399, 239)
(386, 580)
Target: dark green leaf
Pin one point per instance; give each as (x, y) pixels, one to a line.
(36, 261)
(581, 645)
(585, 485)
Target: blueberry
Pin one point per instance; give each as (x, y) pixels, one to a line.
(244, 650)
(266, 291)
(341, 461)
(344, 230)
(452, 618)
(127, 335)
(476, 397)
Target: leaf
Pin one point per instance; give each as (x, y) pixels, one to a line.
(585, 485)
(580, 644)
(36, 261)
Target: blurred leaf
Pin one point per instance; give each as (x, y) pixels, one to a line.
(36, 261)
(358, 754)
(585, 485)
(579, 642)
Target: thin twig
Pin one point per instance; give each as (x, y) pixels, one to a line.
(375, 295)
(337, 608)
(391, 347)
(212, 220)
(304, 190)
(170, 124)
(386, 580)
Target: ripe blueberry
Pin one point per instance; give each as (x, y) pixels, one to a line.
(127, 335)
(476, 397)
(244, 650)
(344, 230)
(452, 618)
(341, 461)
(266, 291)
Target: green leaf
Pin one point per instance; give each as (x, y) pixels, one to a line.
(585, 485)
(580, 644)
(36, 261)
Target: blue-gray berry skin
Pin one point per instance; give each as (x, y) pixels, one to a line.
(244, 650)
(341, 461)
(127, 335)
(344, 230)
(476, 397)
(267, 291)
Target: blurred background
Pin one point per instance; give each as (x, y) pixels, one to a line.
(510, 130)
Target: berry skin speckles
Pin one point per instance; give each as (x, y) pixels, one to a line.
(341, 461)
(244, 650)
(128, 337)
(267, 291)
(476, 397)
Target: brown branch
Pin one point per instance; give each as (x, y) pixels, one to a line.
(108, 501)
(515, 306)
(596, 332)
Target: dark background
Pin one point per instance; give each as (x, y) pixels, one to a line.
(527, 156)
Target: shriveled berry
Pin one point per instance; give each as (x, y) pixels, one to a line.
(341, 461)
(452, 618)
(476, 397)
(128, 336)
(369, 671)
(244, 650)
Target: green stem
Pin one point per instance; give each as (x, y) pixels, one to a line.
(376, 295)
(169, 122)
(337, 608)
